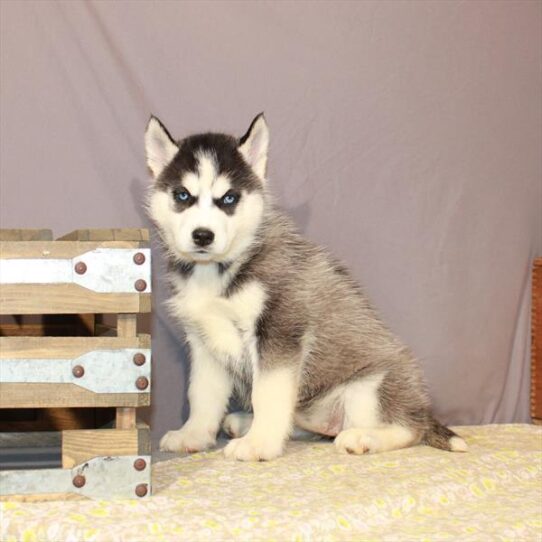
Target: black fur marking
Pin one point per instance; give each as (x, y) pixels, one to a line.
(277, 333)
(181, 206)
(229, 209)
(341, 269)
(247, 135)
(183, 268)
(223, 267)
(241, 277)
(182, 163)
(246, 273)
(164, 129)
(438, 435)
(223, 148)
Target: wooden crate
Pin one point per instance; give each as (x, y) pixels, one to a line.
(85, 362)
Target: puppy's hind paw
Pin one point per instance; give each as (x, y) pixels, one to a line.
(356, 441)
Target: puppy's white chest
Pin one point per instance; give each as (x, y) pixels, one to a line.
(226, 325)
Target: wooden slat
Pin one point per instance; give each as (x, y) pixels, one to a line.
(127, 325)
(25, 235)
(59, 250)
(65, 347)
(67, 299)
(25, 395)
(125, 418)
(110, 234)
(536, 342)
(145, 303)
(81, 446)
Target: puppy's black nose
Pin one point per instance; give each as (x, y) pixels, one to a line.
(203, 237)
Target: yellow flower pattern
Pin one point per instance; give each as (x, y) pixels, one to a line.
(492, 493)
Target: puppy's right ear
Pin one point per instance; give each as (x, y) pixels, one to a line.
(159, 146)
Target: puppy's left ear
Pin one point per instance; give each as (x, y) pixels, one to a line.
(255, 144)
(159, 146)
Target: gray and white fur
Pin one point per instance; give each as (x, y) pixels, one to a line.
(271, 317)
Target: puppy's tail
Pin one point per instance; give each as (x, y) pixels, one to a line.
(439, 436)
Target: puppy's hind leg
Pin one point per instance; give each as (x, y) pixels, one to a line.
(363, 429)
(362, 440)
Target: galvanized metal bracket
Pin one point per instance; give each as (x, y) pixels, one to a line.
(103, 270)
(100, 371)
(120, 477)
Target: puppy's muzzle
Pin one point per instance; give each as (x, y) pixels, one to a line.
(202, 237)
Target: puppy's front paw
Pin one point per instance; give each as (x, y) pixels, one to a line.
(187, 439)
(251, 448)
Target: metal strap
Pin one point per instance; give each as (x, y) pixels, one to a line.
(105, 371)
(104, 478)
(108, 270)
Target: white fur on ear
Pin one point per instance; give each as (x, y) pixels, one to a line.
(159, 147)
(255, 144)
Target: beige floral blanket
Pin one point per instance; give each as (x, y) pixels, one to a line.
(492, 493)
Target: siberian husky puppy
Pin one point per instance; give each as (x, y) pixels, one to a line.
(271, 317)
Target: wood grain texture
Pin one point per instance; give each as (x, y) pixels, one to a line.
(67, 299)
(81, 446)
(60, 249)
(109, 234)
(536, 342)
(125, 418)
(25, 235)
(30, 395)
(127, 325)
(143, 438)
(65, 347)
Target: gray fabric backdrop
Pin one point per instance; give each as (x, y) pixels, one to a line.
(406, 136)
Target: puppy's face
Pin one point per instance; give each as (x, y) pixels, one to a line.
(208, 194)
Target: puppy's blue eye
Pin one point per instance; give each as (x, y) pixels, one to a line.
(229, 199)
(183, 196)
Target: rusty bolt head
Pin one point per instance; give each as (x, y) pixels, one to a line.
(80, 268)
(139, 359)
(141, 490)
(79, 480)
(78, 371)
(140, 464)
(139, 258)
(140, 285)
(142, 383)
